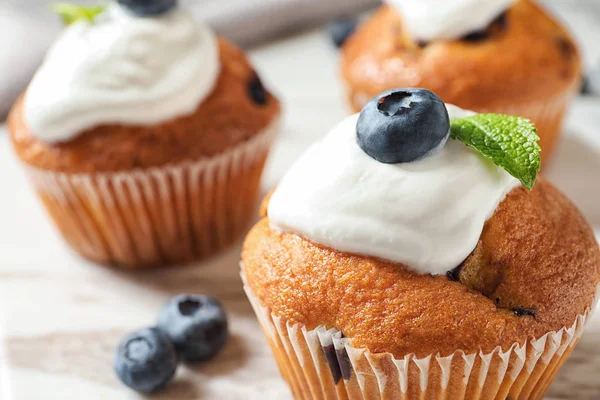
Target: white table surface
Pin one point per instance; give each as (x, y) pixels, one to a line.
(60, 316)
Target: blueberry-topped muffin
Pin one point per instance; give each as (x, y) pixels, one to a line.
(144, 134)
(505, 56)
(413, 252)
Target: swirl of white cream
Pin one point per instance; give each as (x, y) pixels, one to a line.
(121, 68)
(427, 214)
(428, 20)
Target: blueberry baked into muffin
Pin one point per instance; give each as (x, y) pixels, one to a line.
(504, 56)
(414, 253)
(145, 135)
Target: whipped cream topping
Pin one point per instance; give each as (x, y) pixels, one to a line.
(428, 20)
(121, 69)
(427, 214)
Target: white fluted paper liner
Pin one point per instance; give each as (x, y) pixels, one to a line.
(321, 364)
(157, 216)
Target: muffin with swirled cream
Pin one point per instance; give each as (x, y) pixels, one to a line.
(505, 56)
(145, 135)
(411, 253)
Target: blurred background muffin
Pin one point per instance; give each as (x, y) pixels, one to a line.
(145, 135)
(501, 56)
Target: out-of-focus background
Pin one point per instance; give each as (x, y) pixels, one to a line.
(27, 27)
(61, 316)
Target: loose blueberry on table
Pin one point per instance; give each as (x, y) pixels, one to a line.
(149, 8)
(190, 327)
(146, 360)
(402, 125)
(196, 324)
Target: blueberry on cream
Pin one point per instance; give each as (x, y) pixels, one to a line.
(498, 25)
(402, 125)
(147, 8)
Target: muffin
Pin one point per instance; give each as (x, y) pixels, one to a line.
(500, 56)
(145, 136)
(395, 262)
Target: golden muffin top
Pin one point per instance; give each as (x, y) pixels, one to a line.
(237, 109)
(535, 269)
(524, 56)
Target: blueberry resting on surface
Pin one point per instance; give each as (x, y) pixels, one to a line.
(196, 324)
(148, 8)
(402, 125)
(257, 91)
(146, 360)
(340, 29)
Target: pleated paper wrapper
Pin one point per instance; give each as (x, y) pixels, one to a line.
(158, 216)
(321, 364)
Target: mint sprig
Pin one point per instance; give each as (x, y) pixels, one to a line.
(71, 13)
(509, 142)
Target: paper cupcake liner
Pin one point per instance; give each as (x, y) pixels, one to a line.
(321, 364)
(547, 114)
(157, 216)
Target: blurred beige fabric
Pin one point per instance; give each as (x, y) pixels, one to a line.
(27, 27)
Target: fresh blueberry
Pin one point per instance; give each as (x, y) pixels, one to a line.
(149, 8)
(522, 312)
(196, 324)
(402, 125)
(476, 36)
(146, 360)
(340, 29)
(499, 24)
(257, 91)
(566, 47)
(454, 274)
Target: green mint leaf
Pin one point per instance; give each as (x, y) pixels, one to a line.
(71, 13)
(510, 142)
